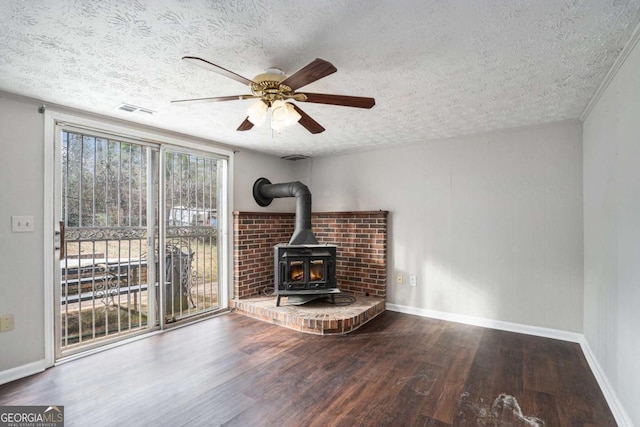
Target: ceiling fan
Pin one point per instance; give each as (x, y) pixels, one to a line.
(273, 89)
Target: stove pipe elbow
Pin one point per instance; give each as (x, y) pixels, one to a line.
(264, 192)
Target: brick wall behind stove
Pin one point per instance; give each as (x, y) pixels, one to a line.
(254, 236)
(361, 238)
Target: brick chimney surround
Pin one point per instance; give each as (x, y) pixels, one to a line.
(361, 238)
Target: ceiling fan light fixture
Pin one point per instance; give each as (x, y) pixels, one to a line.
(279, 111)
(293, 116)
(283, 114)
(257, 113)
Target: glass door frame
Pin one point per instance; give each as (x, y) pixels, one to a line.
(52, 174)
(223, 204)
(106, 278)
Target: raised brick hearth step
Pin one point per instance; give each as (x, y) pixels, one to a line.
(313, 317)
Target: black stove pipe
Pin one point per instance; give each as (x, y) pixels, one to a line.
(264, 192)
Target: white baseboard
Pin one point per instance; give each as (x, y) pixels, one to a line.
(619, 413)
(489, 323)
(21, 371)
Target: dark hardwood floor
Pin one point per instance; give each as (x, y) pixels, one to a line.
(396, 370)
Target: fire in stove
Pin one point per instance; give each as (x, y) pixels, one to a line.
(296, 271)
(300, 268)
(316, 271)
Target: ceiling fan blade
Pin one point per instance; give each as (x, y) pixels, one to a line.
(246, 125)
(306, 121)
(316, 70)
(215, 99)
(216, 68)
(346, 101)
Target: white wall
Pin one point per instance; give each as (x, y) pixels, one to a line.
(612, 233)
(248, 167)
(21, 254)
(491, 224)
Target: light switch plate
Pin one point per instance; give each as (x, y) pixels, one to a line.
(22, 224)
(6, 323)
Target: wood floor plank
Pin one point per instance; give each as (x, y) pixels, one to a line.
(540, 405)
(449, 391)
(509, 372)
(482, 374)
(397, 369)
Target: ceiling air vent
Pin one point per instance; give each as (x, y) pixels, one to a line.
(134, 109)
(295, 157)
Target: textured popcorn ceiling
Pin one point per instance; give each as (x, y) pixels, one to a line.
(436, 68)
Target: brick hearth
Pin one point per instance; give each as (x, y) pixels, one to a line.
(319, 318)
(361, 268)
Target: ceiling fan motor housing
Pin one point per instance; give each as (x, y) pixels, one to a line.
(267, 86)
(270, 75)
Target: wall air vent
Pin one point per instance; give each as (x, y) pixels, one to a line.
(134, 109)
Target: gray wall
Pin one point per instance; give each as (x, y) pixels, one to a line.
(490, 224)
(21, 254)
(249, 166)
(612, 233)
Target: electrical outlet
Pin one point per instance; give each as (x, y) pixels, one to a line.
(6, 323)
(399, 279)
(413, 280)
(22, 224)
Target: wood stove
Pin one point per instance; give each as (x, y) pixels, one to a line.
(304, 270)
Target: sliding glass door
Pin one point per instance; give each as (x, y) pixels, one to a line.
(192, 187)
(139, 237)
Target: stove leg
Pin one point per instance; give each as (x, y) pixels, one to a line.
(278, 301)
